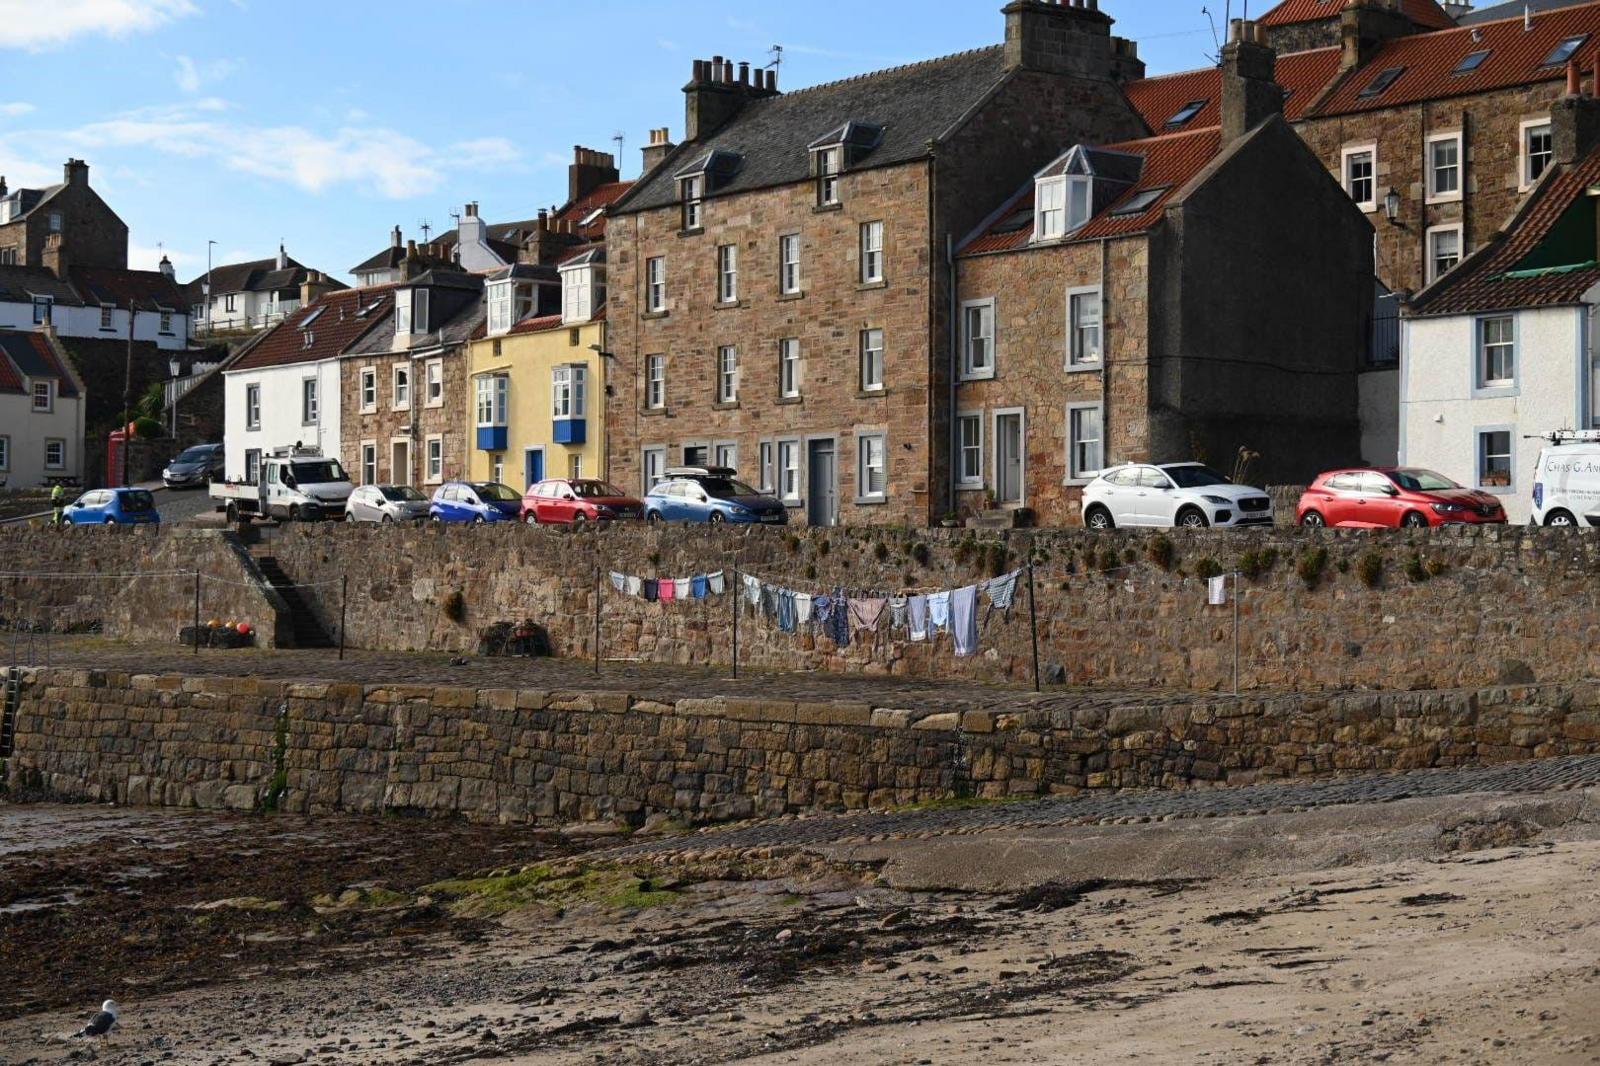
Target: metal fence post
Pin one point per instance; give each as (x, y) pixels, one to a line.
(344, 601)
(197, 612)
(732, 585)
(1033, 623)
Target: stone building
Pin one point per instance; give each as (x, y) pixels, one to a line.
(1299, 25)
(781, 282)
(61, 226)
(1172, 297)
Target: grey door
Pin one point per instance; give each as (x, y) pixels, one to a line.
(1008, 459)
(822, 499)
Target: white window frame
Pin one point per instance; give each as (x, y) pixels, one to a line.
(106, 320)
(874, 268)
(569, 387)
(790, 493)
(1076, 474)
(728, 374)
(164, 323)
(1431, 266)
(830, 164)
(1481, 382)
(655, 382)
(651, 456)
(368, 378)
(789, 264)
(433, 459)
(865, 493)
(766, 460)
(43, 310)
(252, 406)
(1479, 455)
(577, 294)
(310, 401)
(655, 285)
(1431, 169)
(725, 453)
(433, 383)
(970, 369)
(369, 462)
(500, 298)
(789, 357)
(401, 391)
(872, 359)
(693, 195)
(492, 405)
(963, 480)
(1526, 179)
(48, 394)
(727, 273)
(5, 453)
(1085, 296)
(60, 444)
(1050, 209)
(1347, 181)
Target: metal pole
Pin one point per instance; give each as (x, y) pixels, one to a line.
(1236, 632)
(596, 621)
(732, 585)
(344, 601)
(1033, 623)
(127, 394)
(197, 612)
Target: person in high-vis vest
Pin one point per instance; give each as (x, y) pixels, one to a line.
(58, 501)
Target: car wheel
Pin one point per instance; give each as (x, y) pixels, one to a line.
(1192, 519)
(531, 518)
(579, 521)
(232, 513)
(478, 521)
(436, 518)
(111, 521)
(1560, 520)
(654, 518)
(1313, 520)
(1414, 520)
(1100, 519)
(294, 514)
(387, 520)
(349, 519)
(716, 519)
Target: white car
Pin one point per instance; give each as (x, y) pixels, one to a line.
(1566, 488)
(386, 504)
(1172, 495)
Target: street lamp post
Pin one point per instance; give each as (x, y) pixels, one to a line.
(175, 366)
(205, 302)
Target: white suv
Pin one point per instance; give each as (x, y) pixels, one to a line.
(1182, 495)
(1566, 489)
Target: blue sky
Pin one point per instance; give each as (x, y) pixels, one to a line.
(325, 124)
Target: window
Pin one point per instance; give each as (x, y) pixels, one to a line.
(411, 312)
(1497, 352)
(402, 388)
(569, 387)
(1444, 168)
(1494, 459)
(969, 450)
(369, 462)
(1085, 456)
(1187, 112)
(41, 310)
(55, 222)
(872, 469)
(1050, 212)
(574, 467)
(789, 368)
(369, 389)
(693, 201)
(499, 299)
(1079, 203)
(727, 274)
(789, 471)
(1139, 202)
(1361, 176)
(5, 454)
(828, 167)
(789, 264)
(41, 396)
(230, 302)
(433, 382)
(8, 256)
(728, 374)
(1381, 83)
(308, 401)
(1537, 150)
(1444, 251)
(655, 382)
(252, 407)
(577, 294)
(764, 460)
(493, 391)
(872, 360)
(435, 455)
(977, 339)
(1471, 62)
(654, 467)
(727, 455)
(252, 465)
(165, 325)
(871, 253)
(655, 285)
(1564, 51)
(1083, 328)
(55, 453)
(105, 316)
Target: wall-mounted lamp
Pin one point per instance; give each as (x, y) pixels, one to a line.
(1391, 207)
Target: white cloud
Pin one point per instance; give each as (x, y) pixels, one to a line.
(15, 110)
(23, 25)
(148, 257)
(191, 76)
(483, 152)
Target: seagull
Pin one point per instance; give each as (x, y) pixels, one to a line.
(103, 1021)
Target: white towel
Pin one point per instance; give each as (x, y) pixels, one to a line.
(1219, 591)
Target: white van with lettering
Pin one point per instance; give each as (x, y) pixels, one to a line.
(1566, 485)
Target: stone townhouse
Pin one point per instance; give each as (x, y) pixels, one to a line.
(58, 224)
(1179, 296)
(404, 386)
(781, 290)
(1301, 25)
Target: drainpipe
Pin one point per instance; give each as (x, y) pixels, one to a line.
(955, 400)
(1105, 354)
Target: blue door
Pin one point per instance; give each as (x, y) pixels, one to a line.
(533, 466)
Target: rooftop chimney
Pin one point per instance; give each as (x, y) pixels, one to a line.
(167, 268)
(396, 239)
(414, 266)
(1366, 26)
(55, 256)
(715, 95)
(1250, 91)
(1574, 120)
(283, 257)
(658, 149)
(76, 172)
(1059, 37)
(589, 171)
(2, 185)
(314, 288)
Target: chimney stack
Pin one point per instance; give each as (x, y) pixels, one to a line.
(1574, 121)
(55, 255)
(76, 172)
(1366, 26)
(1250, 91)
(716, 93)
(396, 240)
(658, 149)
(314, 288)
(589, 171)
(283, 257)
(168, 270)
(1060, 37)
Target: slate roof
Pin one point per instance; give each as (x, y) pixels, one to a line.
(391, 257)
(1168, 162)
(1514, 8)
(261, 275)
(915, 104)
(598, 198)
(148, 288)
(1514, 271)
(28, 200)
(458, 329)
(1425, 13)
(1303, 76)
(342, 318)
(20, 284)
(29, 355)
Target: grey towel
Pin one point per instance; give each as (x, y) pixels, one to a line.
(964, 619)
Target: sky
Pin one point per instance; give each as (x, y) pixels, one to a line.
(325, 124)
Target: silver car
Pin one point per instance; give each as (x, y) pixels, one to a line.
(386, 504)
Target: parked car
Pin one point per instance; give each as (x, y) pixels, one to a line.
(1394, 497)
(711, 494)
(568, 502)
(386, 504)
(1566, 485)
(475, 502)
(113, 507)
(195, 468)
(1182, 495)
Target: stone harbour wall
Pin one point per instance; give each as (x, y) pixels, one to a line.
(551, 757)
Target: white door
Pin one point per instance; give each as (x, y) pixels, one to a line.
(1008, 459)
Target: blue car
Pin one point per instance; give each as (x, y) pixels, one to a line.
(114, 507)
(475, 503)
(711, 495)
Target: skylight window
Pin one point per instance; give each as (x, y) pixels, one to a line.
(1565, 50)
(592, 217)
(1382, 82)
(1187, 112)
(312, 317)
(1471, 62)
(1140, 202)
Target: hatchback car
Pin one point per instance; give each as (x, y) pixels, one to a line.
(386, 504)
(712, 495)
(113, 507)
(569, 502)
(475, 502)
(1392, 498)
(1182, 495)
(195, 468)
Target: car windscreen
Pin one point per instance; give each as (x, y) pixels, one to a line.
(196, 455)
(318, 473)
(1194, 477)
(403, 494)
(596, 490)
(726, 488)
(497, 494)
(136, 501)
(1422, 481)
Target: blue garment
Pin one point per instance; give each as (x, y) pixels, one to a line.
(839, 623)
(700, 587)
(785, 611)
(822, 610)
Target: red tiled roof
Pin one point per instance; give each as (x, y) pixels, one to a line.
(537, 325)
(1428, 60)
(1303, 76)
(580, 209)
(1170, 161)
(339, 324)
(1482, 282)
(30, 355)
(10, 377)
(1425, 13)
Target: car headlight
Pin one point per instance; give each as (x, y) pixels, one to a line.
(1220, 501)
(1449, 508)
(603, 512)
(741, 511)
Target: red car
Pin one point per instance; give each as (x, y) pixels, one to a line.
(1391, 498)
(574, 502)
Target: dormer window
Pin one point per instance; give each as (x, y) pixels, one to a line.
(694, 194)
(828, 169)
(1063, 206)
(838, 150)
(580, 282)
(508, 303)
(411, 312)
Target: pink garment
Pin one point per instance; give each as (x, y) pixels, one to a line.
(669, 591)
(866, 614)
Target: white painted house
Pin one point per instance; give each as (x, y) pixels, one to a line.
(94, 303)
(252, 296)
(41, 411)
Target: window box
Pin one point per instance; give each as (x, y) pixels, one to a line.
(570, 431)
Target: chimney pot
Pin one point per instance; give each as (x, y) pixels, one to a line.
(1574, 83)
(744, 73)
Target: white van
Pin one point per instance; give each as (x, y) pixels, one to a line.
(1566, 485)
